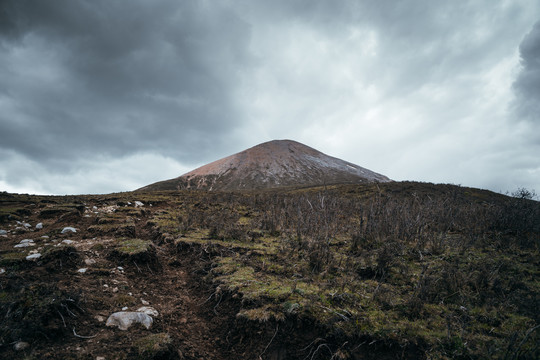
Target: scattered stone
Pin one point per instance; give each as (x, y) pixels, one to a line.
(123, 320)
(100, 318)
(39, 226)
(115, 290)
(2, 270)
(21, 345)
(144, 302)
(3, 232)
(138, 203)
(33, 257)
(68, 229)
(120, 268)
(125, 308)
(82, 270)
(100, 358)
(89, 261)
(67, 242)
(148, 310)
(25, 243)
(44, 237)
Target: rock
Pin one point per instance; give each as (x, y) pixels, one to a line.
(33, 257)
(123, 320)
(89, 261)
(67, 242)
(39, 226)
(68, 229)
(125, 308)
(82, 270)
(25, 243)
(100, 358)
(2, 270)
(100, 318)
(148, 310)
(21, 345)
(144, 302)
(138, 203)
(44, 237)
(3, 232)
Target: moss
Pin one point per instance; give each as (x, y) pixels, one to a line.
(153, 346)
(131, 247)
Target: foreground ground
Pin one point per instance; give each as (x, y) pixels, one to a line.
(398, 270)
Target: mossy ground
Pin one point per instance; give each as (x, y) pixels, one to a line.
(437, 270)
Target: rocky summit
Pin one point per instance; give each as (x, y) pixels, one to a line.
(274, 164)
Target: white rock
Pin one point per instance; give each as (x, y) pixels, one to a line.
(67, 242)
(120, 268)
(123, 320)
(39, 226)
(33, 257)
(68, 229)
(100, 358)
(26, 225)
(144, 302)
(3, 232)
(89, 261)
(82, 270)
(2, 270)
(148, 310)
(138, 203)
(44, 237)
(20, 345)
(25, 243)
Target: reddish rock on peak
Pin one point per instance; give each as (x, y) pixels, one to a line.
(274, 164)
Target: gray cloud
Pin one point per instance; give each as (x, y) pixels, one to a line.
(118, 77)
(527, 84)
(412, 89)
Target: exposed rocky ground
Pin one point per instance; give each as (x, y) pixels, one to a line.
(395, 270)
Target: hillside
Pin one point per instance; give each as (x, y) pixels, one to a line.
(274, 164)
(360, 271)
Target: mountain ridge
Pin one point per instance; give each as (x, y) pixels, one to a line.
(272, 164)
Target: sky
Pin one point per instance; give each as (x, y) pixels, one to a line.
(106, 96)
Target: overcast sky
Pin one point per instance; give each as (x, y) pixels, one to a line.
(105, 96)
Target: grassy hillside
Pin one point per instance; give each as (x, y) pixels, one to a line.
(395, 270)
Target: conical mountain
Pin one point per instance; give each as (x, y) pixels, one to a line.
(274, 164)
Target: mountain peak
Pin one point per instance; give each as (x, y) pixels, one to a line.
(273, 164)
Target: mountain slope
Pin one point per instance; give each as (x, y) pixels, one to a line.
(274, 164)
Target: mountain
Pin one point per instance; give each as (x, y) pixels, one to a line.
(273, 164)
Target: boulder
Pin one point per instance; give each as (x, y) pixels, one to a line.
(25, 243)
(124, 319)
(33, 257)
(68, 229)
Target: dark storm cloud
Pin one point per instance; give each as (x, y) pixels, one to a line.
(527, 84)
(114, 77)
